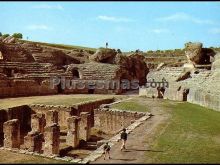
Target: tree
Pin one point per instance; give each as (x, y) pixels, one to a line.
(0, 34)
(17, 35)
(119, 50)
(5, 35)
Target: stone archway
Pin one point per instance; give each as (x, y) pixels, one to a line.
(185, 93)
(160, 92)
(75, 73)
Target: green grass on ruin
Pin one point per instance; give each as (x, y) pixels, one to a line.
(192, 136)
(8, 157)
(66, 100)
(63, 46)
(130, 106)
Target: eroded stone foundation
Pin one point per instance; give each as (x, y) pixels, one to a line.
(51, 130)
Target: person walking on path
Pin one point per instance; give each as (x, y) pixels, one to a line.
(107, 149)
(124, 136)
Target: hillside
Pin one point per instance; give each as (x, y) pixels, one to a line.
(62, 46)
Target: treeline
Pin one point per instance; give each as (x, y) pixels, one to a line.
(175, 52)
(215, 48)
(15, 35)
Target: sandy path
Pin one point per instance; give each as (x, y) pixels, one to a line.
(141, 138)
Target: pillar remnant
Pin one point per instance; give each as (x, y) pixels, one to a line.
(38, 122)
(85, 126)
(33, 141)
(52, 139)
(73, 131)
(51, 117)
(11, 131)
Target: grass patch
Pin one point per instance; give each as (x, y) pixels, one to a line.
(50, 100)
(130, 106)
(64, 101)
(63, 46)
(193, 136)
(10, 157)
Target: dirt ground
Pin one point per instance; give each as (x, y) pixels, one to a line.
(140, 140)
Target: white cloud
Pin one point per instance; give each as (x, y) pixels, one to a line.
(121, 29)
(159, 31)
(214, 31)
(38, 27)
(175, 17)
(46, 6)
(113, 19)
(186, 17)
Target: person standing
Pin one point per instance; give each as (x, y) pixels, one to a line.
(124, 136)
(107, 149)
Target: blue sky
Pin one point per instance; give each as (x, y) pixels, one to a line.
(125, 25)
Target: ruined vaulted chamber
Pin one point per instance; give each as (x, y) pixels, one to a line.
(53, 130)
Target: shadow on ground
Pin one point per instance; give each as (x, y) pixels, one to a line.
(130, 150)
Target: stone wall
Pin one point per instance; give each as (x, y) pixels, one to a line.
(113, 120)
(67, 111)
(47, 144)
(72, 138)
(201, 87)
(33, 142)
(22, 113)
(3, 118)
(11, 130)
(201, 97)
(19, 87)
(89, 106)
(52, 139)
(85, 126)
(63, 112)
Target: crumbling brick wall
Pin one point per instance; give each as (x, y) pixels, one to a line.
(112, 120)
(3, 118)
(72, 138)
(52, 139)
(33, 141)
(38, 122)
(28, 87)
(63, 112)
(11, 130)
(89, 106)
(85, 126)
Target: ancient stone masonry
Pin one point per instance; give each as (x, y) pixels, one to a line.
(38, 122)
(27, 68)
(113, 120)
(45, 136)
(3, 118)
(63, 112)
(193, 52)
(51, 117)
(52, 139)
(72, 138)
(33, 142)
(114, 140)
(196, 81)
(85, 126)
(11, 130)
(89, 106)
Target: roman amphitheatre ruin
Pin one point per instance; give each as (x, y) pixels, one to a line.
(40, 123)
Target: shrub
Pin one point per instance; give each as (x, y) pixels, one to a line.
(17, 35)
(5, 35)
